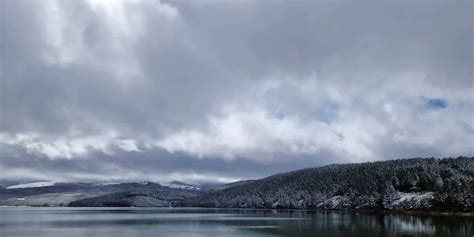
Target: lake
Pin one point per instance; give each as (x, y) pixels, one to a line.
(196, 222)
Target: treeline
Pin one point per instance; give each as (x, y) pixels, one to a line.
(405, 184)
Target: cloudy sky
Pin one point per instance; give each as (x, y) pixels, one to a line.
(228, 90)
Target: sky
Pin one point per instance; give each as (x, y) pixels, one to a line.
(221, 91)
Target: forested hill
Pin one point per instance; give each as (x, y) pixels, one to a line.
(406, 184)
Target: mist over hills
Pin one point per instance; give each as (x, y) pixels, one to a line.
(406, 184)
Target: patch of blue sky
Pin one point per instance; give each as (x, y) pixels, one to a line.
(436, 103)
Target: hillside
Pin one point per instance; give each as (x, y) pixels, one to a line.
(408, 184)
(155, 197)
(62, 194)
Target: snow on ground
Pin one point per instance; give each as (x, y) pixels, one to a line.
(415, 197)
(180, 185)
(408, 201)
(32, 185)
(336, 202)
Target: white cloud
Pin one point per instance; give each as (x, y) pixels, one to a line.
(128, 145)
(258, 135)
(105, 35)
(69, 147)
(263, 125)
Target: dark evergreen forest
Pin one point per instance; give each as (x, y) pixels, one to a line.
(405, 184)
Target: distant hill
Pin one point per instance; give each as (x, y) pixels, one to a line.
(158, 196)
(62, 194)
(406, 184)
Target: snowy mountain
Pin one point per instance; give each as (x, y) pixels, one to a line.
(32, 185)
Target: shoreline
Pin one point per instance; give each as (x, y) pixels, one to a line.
(367, 211)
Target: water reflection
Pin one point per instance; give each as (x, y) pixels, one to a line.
(221, 222)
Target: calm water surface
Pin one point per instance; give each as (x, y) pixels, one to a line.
(177, 222)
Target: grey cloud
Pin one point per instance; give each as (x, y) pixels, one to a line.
(303, 36)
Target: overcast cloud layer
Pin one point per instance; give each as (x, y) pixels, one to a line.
(217, 90)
